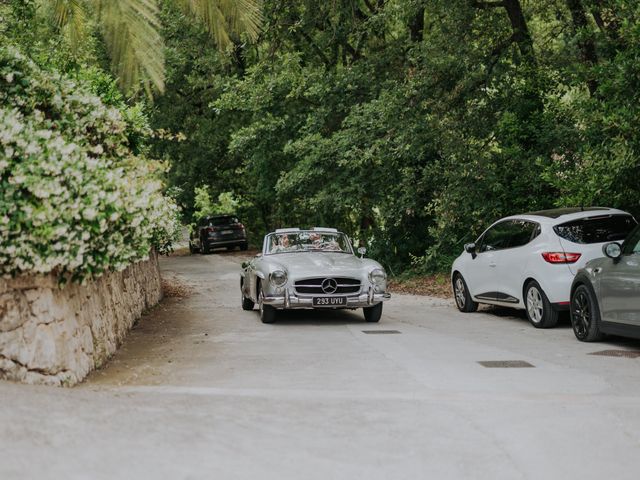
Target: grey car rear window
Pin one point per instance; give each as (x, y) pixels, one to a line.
(598, 229)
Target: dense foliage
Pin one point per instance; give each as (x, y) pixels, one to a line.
(74, 199)
(410, 124)
(128, 32)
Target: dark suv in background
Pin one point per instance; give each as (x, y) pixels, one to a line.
(217, 231)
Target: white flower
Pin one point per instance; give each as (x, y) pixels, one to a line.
(17, 179)
(90, 213)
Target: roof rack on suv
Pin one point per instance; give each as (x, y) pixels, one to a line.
(287, 230)
(325, 229)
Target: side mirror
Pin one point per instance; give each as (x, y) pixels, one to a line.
(471, 248)
(612, 250)
(362, 251)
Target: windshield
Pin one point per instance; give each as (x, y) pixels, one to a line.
(308, 241)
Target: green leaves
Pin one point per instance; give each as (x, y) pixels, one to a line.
(132, 32)
(346, 113)
(225, 19)
(74, 200)
(71, 17)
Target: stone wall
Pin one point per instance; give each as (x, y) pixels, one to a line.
(56, 335)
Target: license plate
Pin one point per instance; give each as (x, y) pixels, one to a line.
(227, 232)
(329, 301)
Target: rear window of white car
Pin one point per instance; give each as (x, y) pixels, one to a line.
(600, 229)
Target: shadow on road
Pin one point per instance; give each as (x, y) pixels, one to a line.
(320, 317)
(564, 323)
(520, 315)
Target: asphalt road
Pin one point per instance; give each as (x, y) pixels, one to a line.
(203, 390)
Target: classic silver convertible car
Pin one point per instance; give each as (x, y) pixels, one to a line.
(314, 268)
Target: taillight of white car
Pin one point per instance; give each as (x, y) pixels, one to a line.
(561, 257)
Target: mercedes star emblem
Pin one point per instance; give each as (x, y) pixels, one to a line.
(329, 285)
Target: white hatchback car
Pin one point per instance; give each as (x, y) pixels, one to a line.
(529, 261)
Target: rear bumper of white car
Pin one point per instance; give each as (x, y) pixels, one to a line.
(291, 301)
(557, 287)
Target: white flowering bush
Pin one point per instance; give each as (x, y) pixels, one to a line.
(74, 200)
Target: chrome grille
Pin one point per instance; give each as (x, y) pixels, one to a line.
(314, 286)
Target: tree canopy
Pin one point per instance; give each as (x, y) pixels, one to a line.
(409, 124)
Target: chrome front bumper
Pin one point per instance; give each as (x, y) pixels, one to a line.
(291, 300)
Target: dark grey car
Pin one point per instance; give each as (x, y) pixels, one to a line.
(605, 296)
(217, 231)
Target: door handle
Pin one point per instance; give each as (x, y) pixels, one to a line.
(492, 265)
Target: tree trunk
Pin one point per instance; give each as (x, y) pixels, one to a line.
(520, 29)
(366, 222)
(416, 26)
(586, 44)
(610, 27)
(238, 57)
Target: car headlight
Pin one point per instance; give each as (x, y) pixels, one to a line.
(377, 276)
(278, 278)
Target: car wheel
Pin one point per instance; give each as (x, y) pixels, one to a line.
(244, 247)
(540, 312)
(373, 314)
(192, 249)
(247, 303)
(267, 312)
(464, 302)
(585, 314)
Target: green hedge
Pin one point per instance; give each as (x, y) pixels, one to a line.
(74, 199)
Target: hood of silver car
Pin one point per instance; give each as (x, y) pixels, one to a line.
(310, 264)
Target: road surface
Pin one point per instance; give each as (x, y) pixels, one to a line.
(203, 390)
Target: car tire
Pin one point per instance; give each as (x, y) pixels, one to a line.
(373, 314)
(267, 312)
(461, 295)
(539, 310)
(247, 303)
(192, 249)
(585, 314)
(244, 247)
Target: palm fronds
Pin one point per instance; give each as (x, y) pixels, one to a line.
(131, 30)
(132, 35)
(225, 18)
(70, 16)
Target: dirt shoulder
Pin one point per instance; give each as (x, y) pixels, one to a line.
(436, 285)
